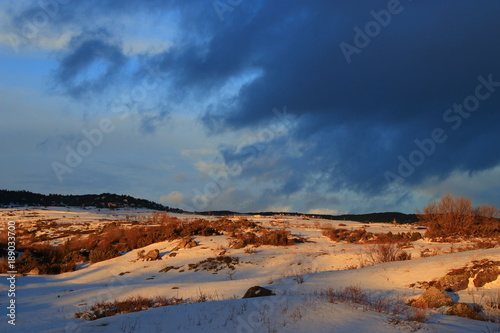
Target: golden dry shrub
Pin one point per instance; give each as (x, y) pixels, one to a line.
(456, 217)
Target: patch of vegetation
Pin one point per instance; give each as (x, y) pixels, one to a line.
(357, 236)
(456, 218)
(131, 304)
(215, 264)
(100, 255)
(396, 307)
(45, 259)
(386, 253)
(115, 238)
(276, 237)
(104, 200)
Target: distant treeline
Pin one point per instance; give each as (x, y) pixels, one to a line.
(109, 200)
(104, 200)
(371, 217)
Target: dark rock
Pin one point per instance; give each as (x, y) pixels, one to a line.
(166, 269)
(486, 275)
(238, 244)
(432, 298)
(464, 310)
(185, 243)
(258, 291)
(152, 255)
(481, 271)
(454, 281)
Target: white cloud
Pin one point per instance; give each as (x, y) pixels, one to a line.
(480, 186)
(205, 167)
(324, 211)
(55, 41)
(173, 198)
(134, 47)
(279, 208)
(39, 41)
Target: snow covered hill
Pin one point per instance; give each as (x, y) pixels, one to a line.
(300, 275)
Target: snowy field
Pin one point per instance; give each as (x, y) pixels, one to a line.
(298, 274)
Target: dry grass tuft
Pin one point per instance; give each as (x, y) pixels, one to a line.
(131, 304)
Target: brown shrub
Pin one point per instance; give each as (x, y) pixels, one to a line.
(44, 258)
(250, 250)
(376, 302)
(350, 236)
(493, 301)
(275, 238)
(131, 304)
(278, 237)
(100, 254)
(453, 217)
(416, 314)
(115, 238)
(385, 253)
(72, 259)
(362, 236)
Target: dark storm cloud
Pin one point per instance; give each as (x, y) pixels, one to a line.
(355, 119)
(78, 74)
(359, 117)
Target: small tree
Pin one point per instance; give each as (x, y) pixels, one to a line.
(489, 222)
(385, 253)
(100, 254)
(455, 216)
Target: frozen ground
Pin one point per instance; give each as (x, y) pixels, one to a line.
(48, 303)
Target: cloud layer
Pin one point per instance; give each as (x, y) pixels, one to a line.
(356, 121)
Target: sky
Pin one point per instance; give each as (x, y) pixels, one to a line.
(322, 107)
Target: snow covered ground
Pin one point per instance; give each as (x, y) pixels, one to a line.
(299, 275)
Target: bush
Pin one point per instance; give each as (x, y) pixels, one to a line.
(250, 250)
(115, 238)
(275, 238)
(131, 304)
(493, 301)
(44, 258)
(265, 237)
(399, 311)
(386, 253)
(456, 217)
(363, 236)
(350, 236)
(100, 255)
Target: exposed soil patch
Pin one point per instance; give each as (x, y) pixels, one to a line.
(215, 264)
(481, 271)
